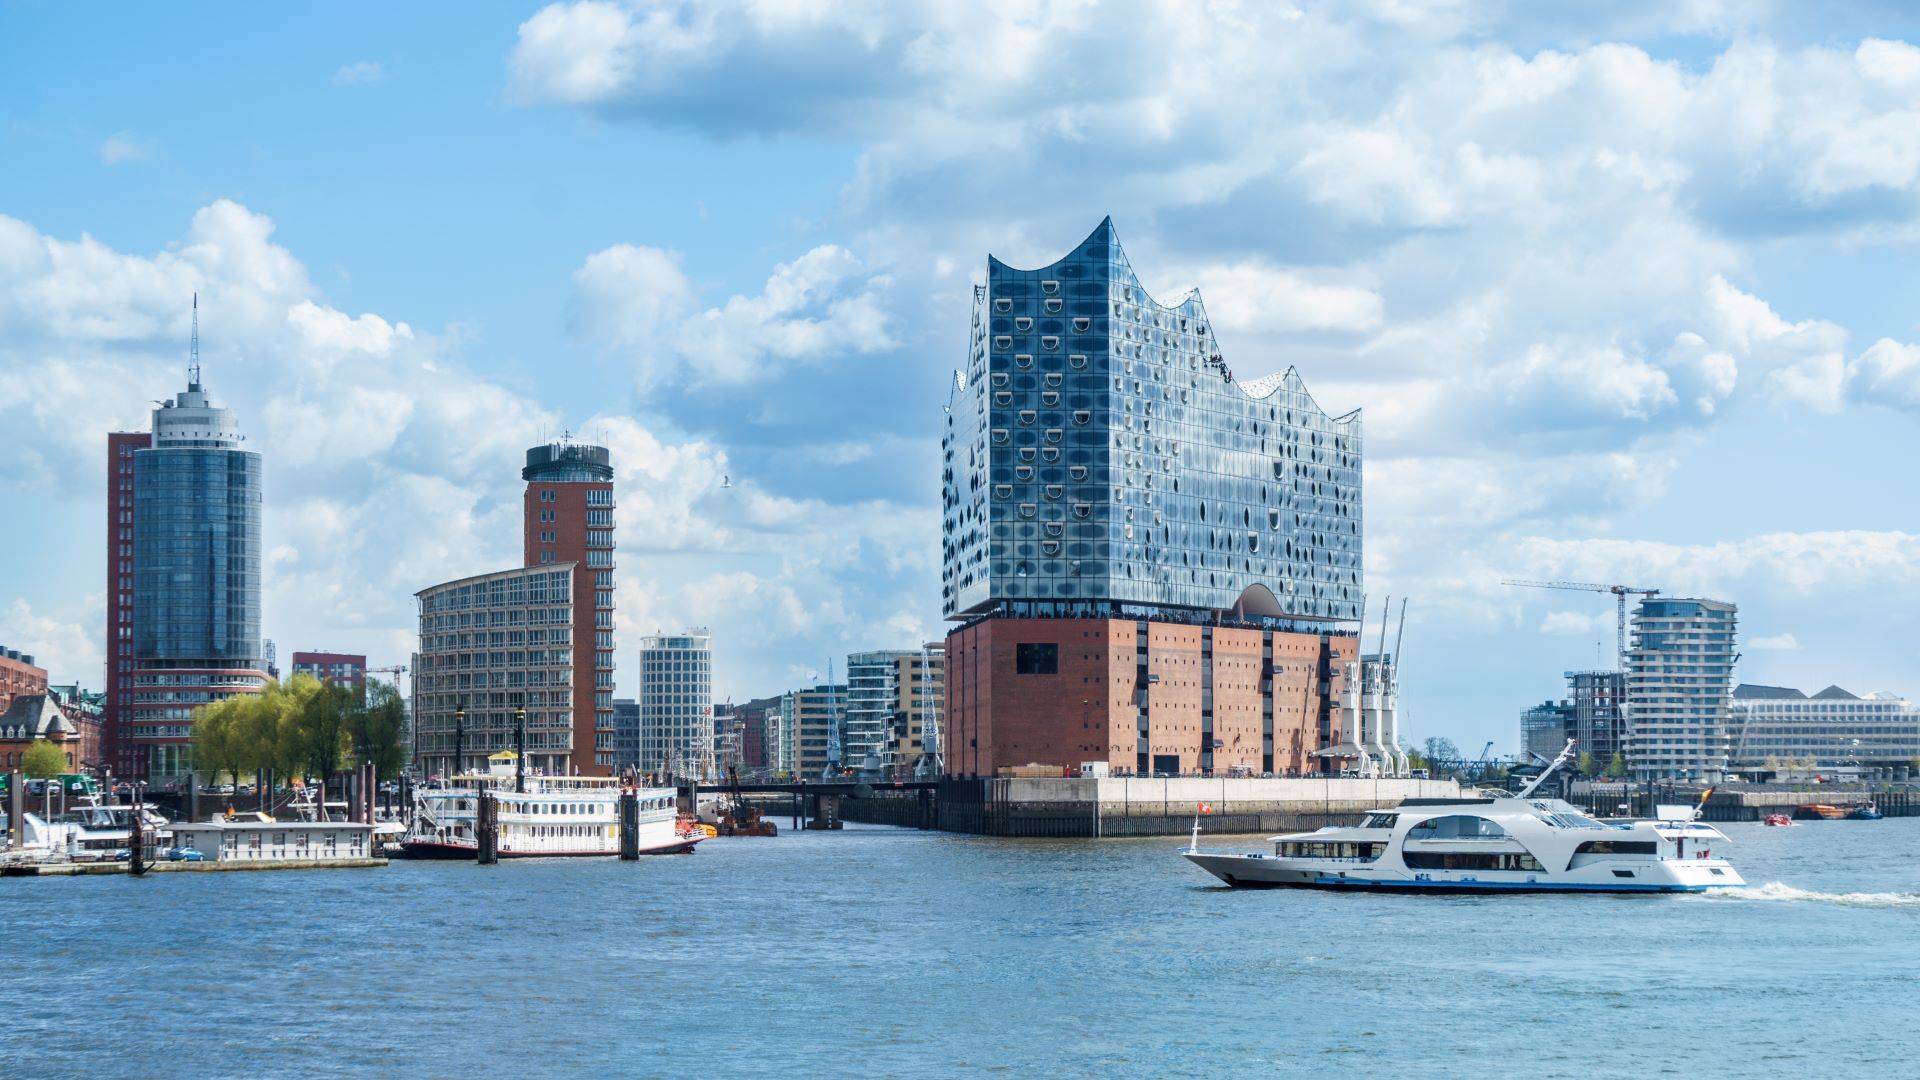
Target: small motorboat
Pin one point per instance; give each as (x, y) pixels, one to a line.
(1820, 812)
(1776, 819)
(1868, 812)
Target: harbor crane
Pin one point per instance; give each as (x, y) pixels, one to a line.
(1620, 594)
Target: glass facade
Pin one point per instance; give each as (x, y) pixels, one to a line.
(1779, 727)
(196, 555)
(1100, 455)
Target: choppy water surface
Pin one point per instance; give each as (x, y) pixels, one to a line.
(892, 952)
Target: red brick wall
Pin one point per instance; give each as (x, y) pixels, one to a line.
(569, 545)
(19, 677)
(1236, 700)
(1087, 712)
(119, 650)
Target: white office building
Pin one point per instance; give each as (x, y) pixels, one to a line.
(1680, 688)
(676, 703)
(1778, 727)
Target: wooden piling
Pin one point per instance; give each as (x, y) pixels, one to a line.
(629, 826)
(16, 808)
(486, 825)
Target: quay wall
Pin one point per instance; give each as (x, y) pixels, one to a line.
(65, 868)
(1138, 806)
(1745, 804)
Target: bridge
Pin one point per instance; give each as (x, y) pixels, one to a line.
(816, 804)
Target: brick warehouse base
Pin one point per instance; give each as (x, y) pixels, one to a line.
(1141, 696)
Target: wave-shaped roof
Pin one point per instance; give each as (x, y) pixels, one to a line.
(1190, 305)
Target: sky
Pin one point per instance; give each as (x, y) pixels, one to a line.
(1625, 293)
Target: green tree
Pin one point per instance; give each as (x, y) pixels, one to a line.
(217, 743)
(1617, 766)
(319, 726)
(1440, 750)
(1585, 763)
(43, 761)
(275, 727)
(374, 730)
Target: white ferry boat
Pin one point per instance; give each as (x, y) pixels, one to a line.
(1490, 843)
(105, 829)
(89, 830)
(554, 817)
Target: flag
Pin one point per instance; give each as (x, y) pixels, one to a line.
(1206, 808)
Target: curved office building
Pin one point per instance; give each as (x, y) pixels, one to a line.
(1101, 457)
(1150, 561)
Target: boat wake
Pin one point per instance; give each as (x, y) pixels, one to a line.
(1779, 890)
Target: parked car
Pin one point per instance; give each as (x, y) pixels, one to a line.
(185, 854)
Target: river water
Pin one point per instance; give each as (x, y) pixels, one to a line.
(891, 952)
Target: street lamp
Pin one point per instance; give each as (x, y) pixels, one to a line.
(520, 748)
(459, 736)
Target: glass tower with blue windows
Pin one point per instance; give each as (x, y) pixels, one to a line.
(1101, 460)
(196, 539)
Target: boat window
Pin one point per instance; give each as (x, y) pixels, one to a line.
(1348, 852)
(1617, 847)
(1380, 821)
(1471, 860)
(1567, 820)
(1456, 827)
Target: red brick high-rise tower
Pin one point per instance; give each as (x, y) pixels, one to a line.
(569, 519)
(119, 650)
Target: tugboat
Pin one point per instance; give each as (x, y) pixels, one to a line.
(1865, 812)
(1491, 843)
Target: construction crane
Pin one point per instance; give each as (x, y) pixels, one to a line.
(395, 671)
(1480, 767)
(1620, 594)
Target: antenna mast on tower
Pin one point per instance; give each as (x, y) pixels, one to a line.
(193, 349)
